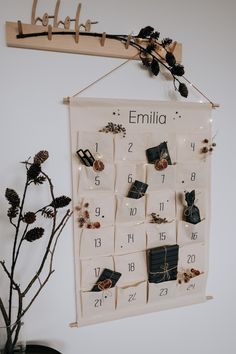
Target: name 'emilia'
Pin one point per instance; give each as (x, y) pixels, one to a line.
(145, 118)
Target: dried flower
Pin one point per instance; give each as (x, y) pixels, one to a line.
(86, 205)
(34, 234)
(39, 180)
(33, 171)
(12, 212)
(177, 70)
(48, 213)
(183, 89)
(29, 217)
(155, 35)
(12, 197)
(41, 156)
(114, 128)
(60, 202)
(166, 41)
(170, 59)
(145, 32)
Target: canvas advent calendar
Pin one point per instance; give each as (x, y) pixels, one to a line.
(141, 194)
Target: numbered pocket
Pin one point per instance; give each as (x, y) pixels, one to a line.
(189, 147)
(158, 180)
(192, 175)
(98, 303)
(162, 203)
(91, 180)
(161, 291)
(161, 234)
(99, 144)
(195, 285)
(132, 296)
(92, 268)
(192, 256)
(131, 148)
(98, 210)
(190, 233)
(126, 174)
(97, 242)
(132, 266)
(130, 210)
(130, 238)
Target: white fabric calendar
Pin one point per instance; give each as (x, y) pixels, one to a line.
(139, 250)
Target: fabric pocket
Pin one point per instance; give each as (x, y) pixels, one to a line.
(97, 242)
(98, 303)
(90, 180)
(131, 148)
(161, 234)
(189, 147)
(126, 174)
(130, 238)
(130, 210)
(132, 296)
(159, 180)
(162, 203)
(191, 233)
(99, 144)
(192, 256)
(192, 175)
(194, 286)
(161, 291)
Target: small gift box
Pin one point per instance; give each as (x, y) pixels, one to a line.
(137, 190)
(191, 211)
(107, 280)
(159, 153)
(162, 263)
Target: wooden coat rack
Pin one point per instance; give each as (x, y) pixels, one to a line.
(52, 34)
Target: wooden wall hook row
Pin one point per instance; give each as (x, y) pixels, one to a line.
(103, 39)
(77, 36)
(45, 19)
(49, 32)
(20, 28)
(128, 41)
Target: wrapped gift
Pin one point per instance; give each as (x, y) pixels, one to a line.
(158, 153)
(107, 280)
(162, 263)
(191, 211)
(137, 190)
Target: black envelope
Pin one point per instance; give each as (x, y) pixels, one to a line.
(158, 152)
(137, 190)
(107, 280)
(162, 263)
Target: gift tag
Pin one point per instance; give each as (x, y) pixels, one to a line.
(161, 234)
(91, 180)
(130, 238)
(130, 210)
(189, 147)
(96, 210)
(192, 256)
(92, 268)
(191, 175)
(99, 144)
(131, 148)
(191, 233)
(97, 242)
(132, 266)
(98, 303)
(126, 174)
(162, 203)
(161, 291)
(132, 296)
(160, 179)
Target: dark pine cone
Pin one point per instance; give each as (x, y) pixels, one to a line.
(33, 171)
(183, 90)
(34, 234)
(145, 32)
(155, 35)
(60, 202)
(178, 70)
(41, 156)
(29, 217)
(12, 212)
(155, 67)
(12, 197)
(170, 59)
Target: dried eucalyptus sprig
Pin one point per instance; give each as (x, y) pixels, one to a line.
(22, 221)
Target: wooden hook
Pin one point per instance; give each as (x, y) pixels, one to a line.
(33, 12)
(172, 46)
(77, 17)
(49, 32)
(103, 39)
(128, 41)
(20, 29)
(77, 36)
(56, 12)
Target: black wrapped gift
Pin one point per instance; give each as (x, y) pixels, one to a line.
(191, 211)
(159, 152)
(107, 280)
(162, 263)
(137, 190)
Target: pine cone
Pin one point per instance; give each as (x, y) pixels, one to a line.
(12, 212)
(60, 202)
(183, 90)
(34, 234)
(155, 67)
(29, 217)
(170, 59)
(40, 157)
(166, 42)
(145, 32)
(33, 171)
(178, 70)
(12, 197)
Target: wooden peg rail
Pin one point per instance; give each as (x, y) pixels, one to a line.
(60, 37)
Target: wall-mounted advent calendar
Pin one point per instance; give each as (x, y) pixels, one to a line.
(141, 194)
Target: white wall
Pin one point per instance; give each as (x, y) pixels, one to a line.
(32, 85)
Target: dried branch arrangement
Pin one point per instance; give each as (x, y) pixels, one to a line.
(22, 222)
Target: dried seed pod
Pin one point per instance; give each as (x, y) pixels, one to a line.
(170, 59)
(183, 90)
